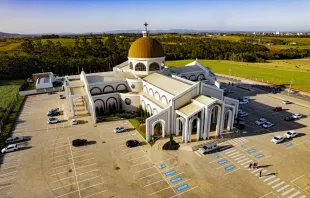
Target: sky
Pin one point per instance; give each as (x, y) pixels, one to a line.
(80, 16)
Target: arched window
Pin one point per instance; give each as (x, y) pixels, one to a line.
(140, 67)
(130, 66)
(154, 67)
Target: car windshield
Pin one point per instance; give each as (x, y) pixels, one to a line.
(276, 138)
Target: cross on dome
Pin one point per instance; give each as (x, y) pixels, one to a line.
(145, 24)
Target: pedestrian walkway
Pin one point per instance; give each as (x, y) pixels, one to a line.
(269, 178)
(238, 141)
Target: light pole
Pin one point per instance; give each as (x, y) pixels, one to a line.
(290, 87)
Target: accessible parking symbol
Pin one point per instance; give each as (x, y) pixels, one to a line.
(228, 168)
(259, 156)
(176, 179)
(182, 187)
(251, 151)
(288, 144)
(170, 172)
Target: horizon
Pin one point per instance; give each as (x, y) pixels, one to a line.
(80, 16)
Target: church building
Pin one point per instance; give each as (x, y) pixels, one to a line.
(186, 101)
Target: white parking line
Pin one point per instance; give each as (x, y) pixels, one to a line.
(59, 152)
(175, 175)
(233, 153)
(293, 195)
(63, 179)
(273, 181)
(92, 186)
(85, 160)
(184, 192)
(150, 175)
(232, 171)
(137, 158)
(279, 190)
(7, 179)
(8, 173)
(229, 150)
(247, 163)
(141, 163)
(155, 182)
(81, 150)
(57, 146)
(169, 169)
(62, 166)
(242, 160)
(60, 173)
(66, 194)
(269, 178)
(159, 191)
(181, 182)
(95, 193)
(279, 184)
(82, 155)
(86, 165)
(145, 169)
(304, 196)
(60, 161)
(88, 172)
(288, 191)
(236, 156)
(262, 172)
(197, 153)
(297, 178)
(75, 175)
(269, 194)
(255, 170)
(162, 161)
(6, 186)
(10, 156)
(264, 158)
(64, 186)
(8, 167)
(133, 153)
(61, 155)
(90, 178)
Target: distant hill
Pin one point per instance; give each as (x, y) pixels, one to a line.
(3, 34)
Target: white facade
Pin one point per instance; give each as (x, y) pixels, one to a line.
(183, 100)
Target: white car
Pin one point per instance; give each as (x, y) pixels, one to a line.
(287, 102)
(243, 114)
(267, 125)
(208, 148)
(260, 121)
(297, 115)
(290, 134)
(74, 122)
(53, 120)
(277, 139)
(119, 129)
(14, 140)
(10, 148)
(244, 102)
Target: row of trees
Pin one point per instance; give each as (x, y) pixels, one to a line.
(92, 54)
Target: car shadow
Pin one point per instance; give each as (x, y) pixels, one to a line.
(24, 148)
(130, 129)
(82, 121)
(91, 142)
(224, 148)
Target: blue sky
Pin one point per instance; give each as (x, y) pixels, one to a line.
(77, 16)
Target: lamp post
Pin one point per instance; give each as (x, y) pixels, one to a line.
(290, 87)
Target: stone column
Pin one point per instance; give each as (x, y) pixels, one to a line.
(186, 130)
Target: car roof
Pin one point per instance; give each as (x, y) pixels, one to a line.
(11, 145)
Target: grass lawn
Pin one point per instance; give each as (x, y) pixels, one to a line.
(278, 72)
(68, 41)
(135, 123)
(8, 90)
(10, 46)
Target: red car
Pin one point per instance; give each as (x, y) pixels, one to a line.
(276, 109)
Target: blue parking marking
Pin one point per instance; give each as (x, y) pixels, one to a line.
(182, 187)
(228, 168)
(243, 146)
(163, 166)
(251, 151)
(216, 156)
(176, 179)
(170, 172)
(259, 156)
(288, 144)
(222, 162)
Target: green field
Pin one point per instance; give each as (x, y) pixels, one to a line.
(10, 46)
(278, 72)
(8, 90)
(68, 41)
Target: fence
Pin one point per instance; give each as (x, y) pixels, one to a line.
(8, 111)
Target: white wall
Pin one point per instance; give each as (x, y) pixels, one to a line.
(106, 99)
(157, 93)
(209, 90)
(164, 115)
(134, 85)
(186, 97)
(148, 105)
(108, 86)
(135, 102)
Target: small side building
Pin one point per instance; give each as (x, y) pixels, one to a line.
(43, 80)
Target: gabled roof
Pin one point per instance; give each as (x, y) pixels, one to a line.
(205, 100)
(190, 108)
(168, 84)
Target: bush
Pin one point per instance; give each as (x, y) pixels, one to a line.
(140, 119)
(171, 145)
(9, 123)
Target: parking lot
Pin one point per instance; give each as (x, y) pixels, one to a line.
(47, 165)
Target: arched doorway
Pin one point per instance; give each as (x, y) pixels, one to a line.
(179, 126)
(214, 123)
(194, 128)
(228, 119)
(158, 127)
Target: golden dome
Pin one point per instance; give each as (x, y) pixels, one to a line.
(146, 47)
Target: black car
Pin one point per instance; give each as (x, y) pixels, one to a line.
(132, 143)
(289, 118)
(239, 126)
(53, 113)
(79, 142)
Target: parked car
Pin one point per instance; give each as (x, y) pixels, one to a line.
(268, 125)
(10, 148)
(79, 142)
(119, 129)
(291, 134)
(14, 140)
(289, 118)
(260, 121)
(243, 102)
(277, 139)
(132, 143)
(276, 109)
(243, 114)
(53, 120)
(287, 102)
(292, 91)
(297, 115)
(62, 97)
(209, 148)
(53, 113)
(74, 122)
